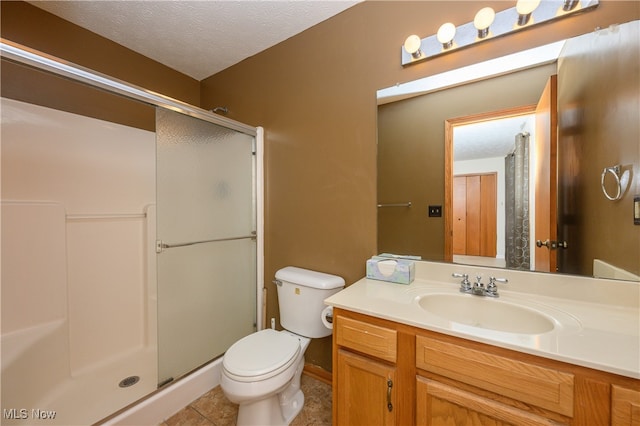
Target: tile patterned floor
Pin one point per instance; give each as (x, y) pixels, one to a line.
(213, 408)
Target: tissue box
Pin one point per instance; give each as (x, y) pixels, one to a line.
(403, 273)
(400, 256)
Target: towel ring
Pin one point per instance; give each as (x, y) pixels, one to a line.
(615, 171)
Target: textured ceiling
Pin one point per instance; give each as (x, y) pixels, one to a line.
(197, 38)
(490, 138)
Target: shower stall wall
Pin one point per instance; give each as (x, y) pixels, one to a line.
(131, 254)
(78, 201)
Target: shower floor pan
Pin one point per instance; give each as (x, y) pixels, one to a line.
(95, 394)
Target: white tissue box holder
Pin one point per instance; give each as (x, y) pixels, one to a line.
(404, 272)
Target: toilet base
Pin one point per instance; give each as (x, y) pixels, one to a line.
(262, 412)
(270, 411)
(293, 407)
(277, 410)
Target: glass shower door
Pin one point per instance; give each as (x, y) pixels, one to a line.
(206, 249)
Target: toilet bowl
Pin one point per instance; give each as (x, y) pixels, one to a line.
(261, 372)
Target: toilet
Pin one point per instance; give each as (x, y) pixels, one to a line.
(261, 372)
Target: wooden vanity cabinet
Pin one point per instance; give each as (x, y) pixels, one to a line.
(442, 404)
(625, 406)
(458, 382)
(373, 371)
(367, 391)
(439, 379)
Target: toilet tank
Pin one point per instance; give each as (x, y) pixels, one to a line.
(301, 294)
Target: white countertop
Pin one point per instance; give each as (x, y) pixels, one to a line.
(596, 322)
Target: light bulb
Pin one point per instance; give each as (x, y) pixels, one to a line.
(445, 35)
(524, 9)
(412, 46)
(483, 20)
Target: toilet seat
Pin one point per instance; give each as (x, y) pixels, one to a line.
(260, 355)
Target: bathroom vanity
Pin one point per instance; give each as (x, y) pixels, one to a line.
(550, 350)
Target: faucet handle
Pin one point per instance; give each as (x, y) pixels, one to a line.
(492, 288)
(465, 284)
(465, 277)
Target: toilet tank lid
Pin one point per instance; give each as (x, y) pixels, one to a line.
(308, 278)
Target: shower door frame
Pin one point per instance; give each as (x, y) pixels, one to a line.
(26, 56)
(30, 57)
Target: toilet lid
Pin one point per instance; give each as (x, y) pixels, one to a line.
(261, 355)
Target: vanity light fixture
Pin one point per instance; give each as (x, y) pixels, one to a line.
(488, 25)
(412, 46)
(569, 5)
(483, 20)
(445, 35)
(525, 8)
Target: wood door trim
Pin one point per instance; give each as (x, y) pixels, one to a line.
(546, 181)
(476, 174)
(449, 126)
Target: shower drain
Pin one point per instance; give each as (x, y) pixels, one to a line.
(129, 381)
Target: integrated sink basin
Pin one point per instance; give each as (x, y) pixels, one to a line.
(487, 313)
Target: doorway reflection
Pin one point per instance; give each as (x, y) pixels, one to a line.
(491, 198)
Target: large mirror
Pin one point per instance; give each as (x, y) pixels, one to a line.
(479, 143)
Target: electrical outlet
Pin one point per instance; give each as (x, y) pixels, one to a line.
(435, 211)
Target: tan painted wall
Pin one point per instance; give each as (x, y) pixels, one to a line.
(315, 96)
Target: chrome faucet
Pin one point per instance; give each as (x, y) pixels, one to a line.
(465, 284)
(492, 288)
(478, 288)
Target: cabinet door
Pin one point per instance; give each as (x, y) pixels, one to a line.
(543, 387)
(366, 395)
(460, 215)
(625, 407)
(440, 404)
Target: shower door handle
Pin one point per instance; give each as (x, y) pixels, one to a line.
(161, 245)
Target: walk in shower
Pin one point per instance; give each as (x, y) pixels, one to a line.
(130, 240)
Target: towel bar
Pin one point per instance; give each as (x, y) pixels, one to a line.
(408, 204)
